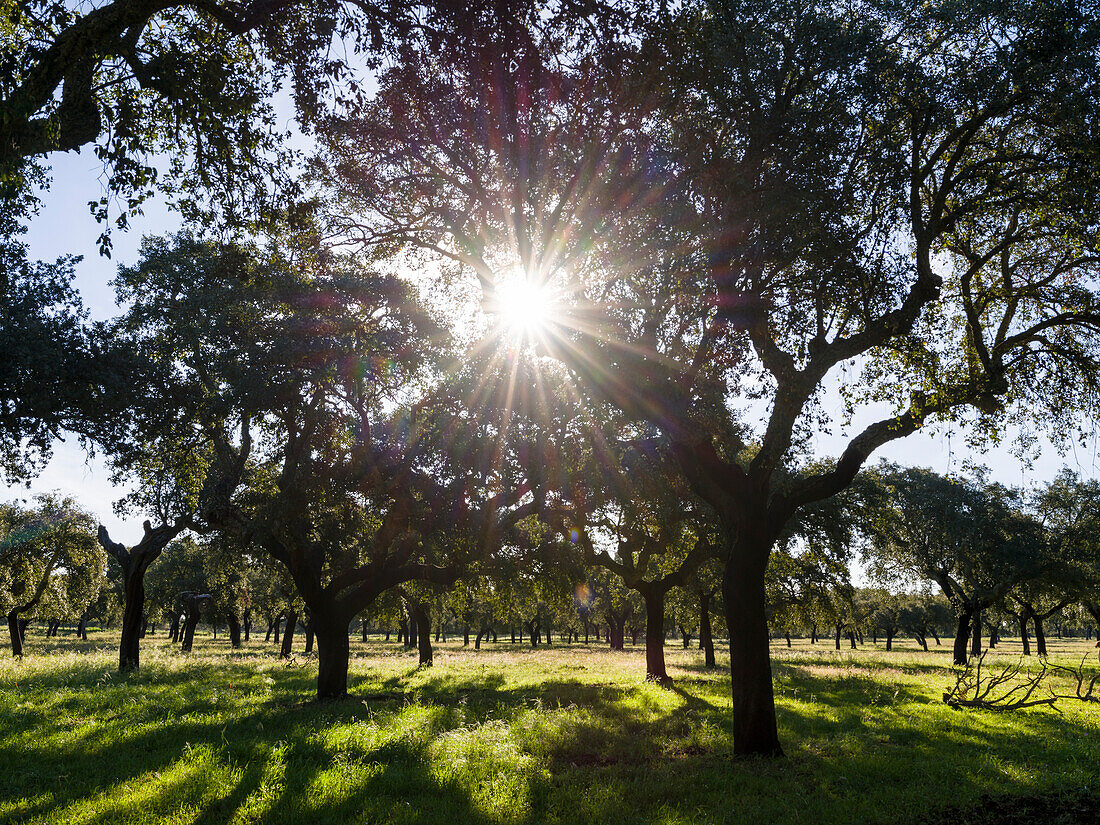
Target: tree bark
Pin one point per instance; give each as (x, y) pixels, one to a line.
(706, 637)
(423, 619)
(754, 725)
(962, 636)
(654, 598)
(333, 655)
(191, 621)
(234, 630)
(309, 637)
(288, 634)
(1040, 635)
(174, 628)
(14, 632)
(976, 634)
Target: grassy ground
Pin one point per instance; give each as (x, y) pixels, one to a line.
(569, 734)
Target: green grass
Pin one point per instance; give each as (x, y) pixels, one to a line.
(508, 735)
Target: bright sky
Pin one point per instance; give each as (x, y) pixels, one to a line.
(66, 227)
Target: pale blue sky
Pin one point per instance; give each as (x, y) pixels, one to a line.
(65, 226)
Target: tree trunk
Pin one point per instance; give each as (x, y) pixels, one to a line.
(133, 612)
(82, 628)
(616, 636)
(234, 630)
(465, 635)
(655, 635)
(174, 629)
(787, 636)
(1040, 636)
(333, 654)
(706, 637)
(889, 640)
(962, 636)
(270, 629)
(191, 621)
(976, 634)
(288, 634)
(754, 725)
(1024, 640)
(247, 624)
(424, 633)
(813, 634)
(839, 629)
(364, 630)
(14, 632)
(309, 637)
(278, 623)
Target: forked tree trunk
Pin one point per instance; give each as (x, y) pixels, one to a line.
(754, 724)
(133, 610)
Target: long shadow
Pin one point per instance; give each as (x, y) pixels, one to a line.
(579, 751)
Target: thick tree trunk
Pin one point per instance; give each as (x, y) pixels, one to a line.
(309, 637)
(234, 630)
(889, 640)
(754, 725)
(1024, 640)
(288, 634)
(465, 635)
(655, 636)
(14, 632)
(191, 621)
(133, 612)
(616, 636)
(839, 629)
(813, 634)
(1040, 636)
(247, 624)
(962, 636)
(333, 654)
(423, 633)
(270, 630)
(82, 628)
(174, 629)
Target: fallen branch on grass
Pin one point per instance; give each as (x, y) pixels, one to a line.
(997, 691)
(1085, 684)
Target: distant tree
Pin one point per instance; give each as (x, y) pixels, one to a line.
(52, 539)
(973, 540)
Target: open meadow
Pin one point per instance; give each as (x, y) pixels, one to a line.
(514, 735)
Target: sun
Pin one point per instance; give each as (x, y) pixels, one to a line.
(524, 308)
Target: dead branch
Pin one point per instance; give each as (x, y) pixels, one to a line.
(1005, 690)
(1086, 685)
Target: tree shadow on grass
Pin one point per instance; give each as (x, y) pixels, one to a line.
(455, 747)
